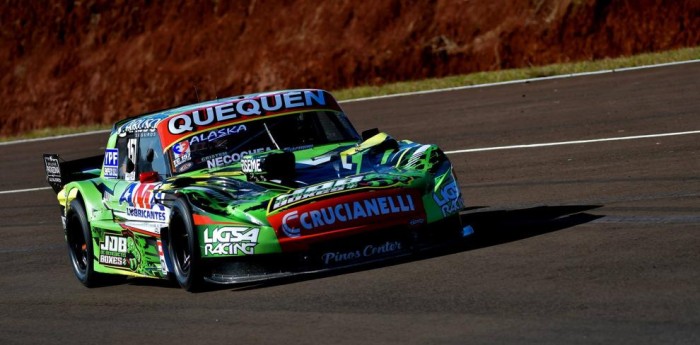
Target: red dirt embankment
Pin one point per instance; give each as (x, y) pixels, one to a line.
(80, 62)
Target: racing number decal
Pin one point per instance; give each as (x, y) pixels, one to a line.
(131, 155)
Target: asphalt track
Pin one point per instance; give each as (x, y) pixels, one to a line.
(587, 243)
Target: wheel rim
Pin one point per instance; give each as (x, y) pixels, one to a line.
(78, 247)
(182, 250)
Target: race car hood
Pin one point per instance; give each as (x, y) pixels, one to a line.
(335, 192)
(357, 202)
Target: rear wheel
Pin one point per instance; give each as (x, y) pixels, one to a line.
(184, 248)
(80, 246)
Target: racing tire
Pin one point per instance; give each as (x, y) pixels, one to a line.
(80, 245)
(184, 248)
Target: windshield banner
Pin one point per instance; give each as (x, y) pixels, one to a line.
(213, 116)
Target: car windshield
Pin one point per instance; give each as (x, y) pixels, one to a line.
(290, 132)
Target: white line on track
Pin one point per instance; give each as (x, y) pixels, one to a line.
(23, 190)
(634, 137)
(52, 138)
(519, 81)
(526, 146)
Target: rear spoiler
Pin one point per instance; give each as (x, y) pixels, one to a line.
(59, 173)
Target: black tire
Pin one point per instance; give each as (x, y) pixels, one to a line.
(80, 246)
(184, 248)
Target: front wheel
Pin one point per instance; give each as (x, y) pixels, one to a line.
(184, 248)
(80, 246)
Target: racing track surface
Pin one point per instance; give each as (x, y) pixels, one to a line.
(589, 243)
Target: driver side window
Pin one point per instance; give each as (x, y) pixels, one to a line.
(150, 156)
(139, 155)
(127, 151)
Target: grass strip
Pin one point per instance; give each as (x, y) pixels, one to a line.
(684, 54)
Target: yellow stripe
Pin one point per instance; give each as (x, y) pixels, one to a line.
(375, 140)
(401, 157)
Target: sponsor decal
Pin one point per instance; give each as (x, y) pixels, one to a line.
(327, 189)
(418, 221)
(181, 153)
(449, 199)
(141, 202)
(368, 251)
(145, 214)
(141, 126)
(315, 191)
(138, 226)
(217, 134)
(230, 240)
(140, 195)
(184, 167)
(251, 165)
(113, 251)
(53, 169)
(290, 218)
(348, 212)
(181, 148)
(228, 159)
(161, 256)
(298, 148)
(115, 244)
(247, 107)
(145, 134)
(110, 166)
(111, 260)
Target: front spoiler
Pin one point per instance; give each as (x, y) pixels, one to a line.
(390, 245)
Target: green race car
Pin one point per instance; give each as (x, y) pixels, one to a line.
(251, 188)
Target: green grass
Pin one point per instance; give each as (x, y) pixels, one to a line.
(50, 132)
(456, 81)
(520, 73)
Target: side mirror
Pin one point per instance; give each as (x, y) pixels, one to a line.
(389, 144)
(149, 177)
(149, 155)
(366, 134)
